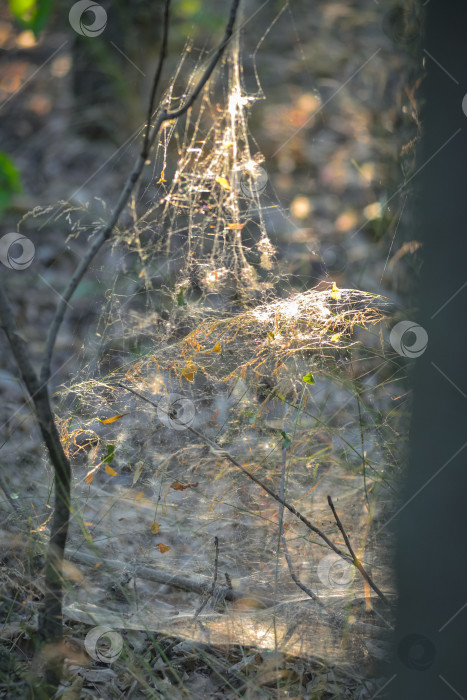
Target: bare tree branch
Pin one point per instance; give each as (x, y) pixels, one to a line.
(202, 588)
(212, 64)
(157, 76)
(50, 623)
(128, 188)
(356, 561)
(288, 558)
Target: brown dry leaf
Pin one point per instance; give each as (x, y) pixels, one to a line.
(89, 478)
(155, 528)
(162, 547)
(177, 486)
(235, 227)
(110, 471)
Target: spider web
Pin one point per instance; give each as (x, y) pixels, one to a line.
(194, 321)
(210, 203)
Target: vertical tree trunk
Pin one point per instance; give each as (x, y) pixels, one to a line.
(431, 525)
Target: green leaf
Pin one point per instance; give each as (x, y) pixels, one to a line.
(308, 378)
(180, 300)
(32, 14)
(109, 457)
(9, 181)
(286, 442)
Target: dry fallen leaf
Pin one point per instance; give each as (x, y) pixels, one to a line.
(335, 292)
(177, 486)
(223, 182)
(113, 419)
(138, 471)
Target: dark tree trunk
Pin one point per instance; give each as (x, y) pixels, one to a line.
(431, 525)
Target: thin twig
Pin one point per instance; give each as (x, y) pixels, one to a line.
(288, 558)
(157, 76)
(223, 453)
(125, 195)
(355, 559)
(213, 586)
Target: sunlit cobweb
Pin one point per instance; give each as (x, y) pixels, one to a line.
(207, 213)
(198, 319)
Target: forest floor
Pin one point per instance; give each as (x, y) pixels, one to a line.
(337, 109)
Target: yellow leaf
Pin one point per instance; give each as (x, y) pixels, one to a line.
(110, 471)
(113, 419)
(217, 348)
(162, 547)
(188, 374)
(223, 182)
(335, 337)
(162, 178)
(89, 478)
(139, 496)
(335, 292)
(155, 528)
(235, 227)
